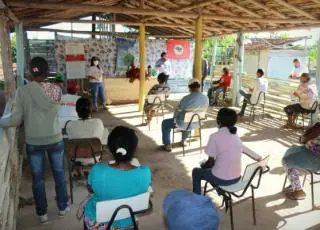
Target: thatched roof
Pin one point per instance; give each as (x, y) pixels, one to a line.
(271, 43)
(177, 17)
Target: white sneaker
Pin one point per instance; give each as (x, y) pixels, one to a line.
(43, 219)
(62, 213)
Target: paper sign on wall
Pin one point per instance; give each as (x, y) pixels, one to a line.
(75, 61)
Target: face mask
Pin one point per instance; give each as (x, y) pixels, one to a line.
(96, 63)
(296, 65)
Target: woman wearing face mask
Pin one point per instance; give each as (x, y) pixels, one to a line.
(96, 83)
(307, 96)
(224, 150)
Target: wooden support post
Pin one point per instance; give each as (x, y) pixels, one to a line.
(93, 26)
(142, 67)
(20, 53)
(6, 57)
(238, 69)
(214, 56)
(318, 67)
(198, 48)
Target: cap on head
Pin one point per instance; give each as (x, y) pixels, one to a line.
(39, 67)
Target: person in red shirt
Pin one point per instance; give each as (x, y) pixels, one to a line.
(219, 86)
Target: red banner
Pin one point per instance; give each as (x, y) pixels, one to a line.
(74, 57)
(178, 49)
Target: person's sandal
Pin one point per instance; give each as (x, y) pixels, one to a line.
(167, 148)
(288, 189)
(296, 195)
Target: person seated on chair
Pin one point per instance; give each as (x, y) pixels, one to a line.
(184, 210)
(299, 158)
(195, 101)
(307, 95)
(225, 150)
(161, 88)
(118, 180)
(223, 83)
(83, 128)
(259, 85)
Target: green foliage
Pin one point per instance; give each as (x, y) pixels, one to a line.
(312, 55)
(284, 35)
(225, 46)
(128, 59)
(14, 48)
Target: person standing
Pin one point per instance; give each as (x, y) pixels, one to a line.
(164, 66)
(36, 106)
(298, 69)
(96, 83)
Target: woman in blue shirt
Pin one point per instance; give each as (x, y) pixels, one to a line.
(118, 180)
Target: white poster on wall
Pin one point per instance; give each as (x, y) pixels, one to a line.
(75, 61)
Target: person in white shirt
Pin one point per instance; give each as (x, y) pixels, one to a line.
(164, 65)
(298, 69)
(67, 110)
(96, 83)
(307, 95)
(86, 127)
(259, 85)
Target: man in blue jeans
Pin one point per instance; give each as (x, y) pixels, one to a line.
(195, 101)
(36, 106)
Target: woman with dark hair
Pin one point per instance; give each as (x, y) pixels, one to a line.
(86, 126)
(225, 150)
(118, 180)
(161, 88)
(96, 83)
(219, 86)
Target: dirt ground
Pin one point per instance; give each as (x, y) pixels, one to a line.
(172, 171)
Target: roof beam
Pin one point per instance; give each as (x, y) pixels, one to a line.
(10, 14)
(108, 33)
(125, 10)
(129, 23)
(296, 9)
(266, 8)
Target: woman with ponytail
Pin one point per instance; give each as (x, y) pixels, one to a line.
(118, 180)
(224, 150)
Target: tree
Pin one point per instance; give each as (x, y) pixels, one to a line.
(14, 48)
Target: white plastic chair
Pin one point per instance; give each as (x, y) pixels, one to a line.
(155, 100)
(113, 210)
(239, 189)
(261, 101)
(190, 118)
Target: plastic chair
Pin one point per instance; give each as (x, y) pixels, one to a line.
(254, 106)
(193, 117)
(226, 93)
(239, 189)
(312, 182)
(113, 210)
(156, 100)
(310, 112)
(91, 148)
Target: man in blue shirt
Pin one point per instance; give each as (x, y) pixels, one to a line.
(195, 102)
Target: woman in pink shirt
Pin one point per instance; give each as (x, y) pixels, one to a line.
(224, 149)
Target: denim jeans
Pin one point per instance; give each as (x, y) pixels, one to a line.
(97, 90)
(36, 159)
(167, 125)
(247, 97)
(199, 174)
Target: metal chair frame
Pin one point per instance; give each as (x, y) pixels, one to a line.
(227, 196)
(88, 144)
(254, 106)
(312, 183)
(310, 112)
(161, 107)
(132, 215)
(178, 130)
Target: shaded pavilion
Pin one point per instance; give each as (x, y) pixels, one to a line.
(156, 18)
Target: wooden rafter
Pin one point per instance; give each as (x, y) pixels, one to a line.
(296, 9)
(266, 8)
(122, 10)
(10, 14)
